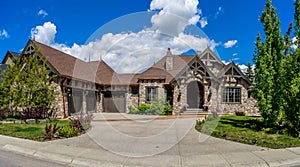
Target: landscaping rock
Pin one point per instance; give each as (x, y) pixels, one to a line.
(42, 121)
(30, 121)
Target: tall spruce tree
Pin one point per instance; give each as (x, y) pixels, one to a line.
(249, 72)
(269, 71)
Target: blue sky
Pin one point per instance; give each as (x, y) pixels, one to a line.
(67, 25)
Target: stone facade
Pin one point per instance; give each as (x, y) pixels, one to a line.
(172, 77)
(143, 89)
(61, 99)
(205, 74)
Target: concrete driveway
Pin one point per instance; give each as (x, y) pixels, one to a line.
(134, 140)
(152, 140)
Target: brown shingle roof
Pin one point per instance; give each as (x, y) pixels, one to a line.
(128, 79)
(60, 61)
(158, 71)
(69, 66)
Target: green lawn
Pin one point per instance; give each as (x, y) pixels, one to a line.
(247, 130)
(28, 131)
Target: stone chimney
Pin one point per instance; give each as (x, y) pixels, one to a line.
(169, 60)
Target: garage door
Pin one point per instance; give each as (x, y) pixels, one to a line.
(75, 100)
(114, 102)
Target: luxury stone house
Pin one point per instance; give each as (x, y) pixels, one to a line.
(198, 82)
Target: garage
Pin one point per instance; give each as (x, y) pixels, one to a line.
(114, 101)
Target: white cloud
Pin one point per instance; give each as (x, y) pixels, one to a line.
(230, 43)
(175, 15)
(243, 67)
(141, 48)
(42, 13)
(294, 40)
(203, 22)
(121, 51)
(219, 12)
(45, 33)
(4, 34)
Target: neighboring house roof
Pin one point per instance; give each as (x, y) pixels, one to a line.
(2, 68)
(10, 54)
(14, 54)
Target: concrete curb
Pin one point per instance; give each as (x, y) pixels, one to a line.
(280, 157)
(150, 118)
(56, 157)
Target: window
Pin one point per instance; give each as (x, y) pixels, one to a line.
(151, 94)
(231, 95)
(135, 90)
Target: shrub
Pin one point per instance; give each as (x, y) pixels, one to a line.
(240, 113)
(144, 108)
(50, 131)
(3, 114)
(81, 121)
(158, 107)
(68, 131)
(133, 110)
(199, 124)
(34, 113)
(168, 109)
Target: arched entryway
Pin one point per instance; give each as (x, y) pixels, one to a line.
(195, 95)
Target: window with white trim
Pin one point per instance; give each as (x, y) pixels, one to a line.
(151, 94)
(231, 95)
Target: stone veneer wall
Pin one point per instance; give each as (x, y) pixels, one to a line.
(142, 91)
(131, 100)
(183, 89)
(100, 103)
(213, 103)
(62, 102)
(247, 105)
(60, 97)
(177, 105)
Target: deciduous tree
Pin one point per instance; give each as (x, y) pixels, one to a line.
(28, 86)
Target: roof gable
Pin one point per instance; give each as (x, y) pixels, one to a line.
(232, 70)
(198, 67)
(9, 56)
(209, 56)
(158, 70)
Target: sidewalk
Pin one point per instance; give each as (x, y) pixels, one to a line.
(86, 151)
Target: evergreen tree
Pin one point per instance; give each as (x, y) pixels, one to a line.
(249, 73)
(269, 71)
